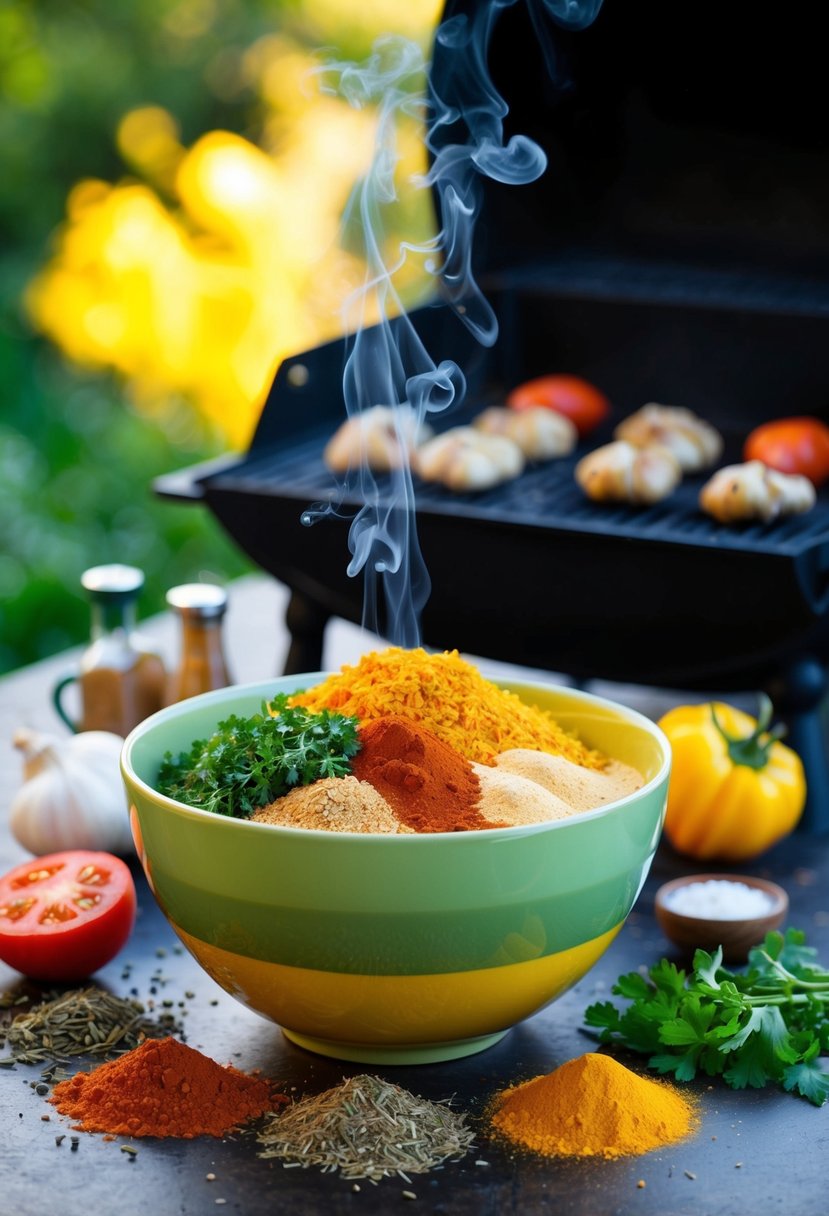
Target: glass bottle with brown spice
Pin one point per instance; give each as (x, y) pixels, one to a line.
(121, 677)
(202, 665)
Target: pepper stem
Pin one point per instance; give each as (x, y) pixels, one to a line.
(752, 750)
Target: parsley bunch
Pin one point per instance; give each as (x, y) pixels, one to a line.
(248, 762)
(768, 1023)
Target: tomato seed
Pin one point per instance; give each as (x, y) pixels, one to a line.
(56, 914)
(87, 901)
(94, 876)
(16, 909)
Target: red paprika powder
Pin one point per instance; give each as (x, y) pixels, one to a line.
(430, 786)
(163, 1088)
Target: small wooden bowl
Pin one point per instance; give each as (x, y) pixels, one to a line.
(735, 936)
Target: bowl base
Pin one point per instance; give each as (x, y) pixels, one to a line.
(414, 1053)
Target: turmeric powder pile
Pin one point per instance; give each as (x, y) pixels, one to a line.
(592, 1107)
(449, 697)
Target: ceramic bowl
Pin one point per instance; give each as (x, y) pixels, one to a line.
(396, 949)
(736, 936)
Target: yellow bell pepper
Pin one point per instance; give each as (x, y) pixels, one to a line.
(735, 789)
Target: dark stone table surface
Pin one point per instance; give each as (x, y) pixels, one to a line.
(759, 1151)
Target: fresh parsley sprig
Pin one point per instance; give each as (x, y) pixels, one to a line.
(248, 762)
(769, 1023)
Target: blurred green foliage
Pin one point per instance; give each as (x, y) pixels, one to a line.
(76, 466)
(70, 69)
(76, 462)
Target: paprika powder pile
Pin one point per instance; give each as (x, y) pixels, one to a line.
(163, 1088)
(429, 786)
(592, 1107)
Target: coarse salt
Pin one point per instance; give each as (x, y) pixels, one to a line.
(719, 899)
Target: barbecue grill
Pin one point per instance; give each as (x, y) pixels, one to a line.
(674, 251)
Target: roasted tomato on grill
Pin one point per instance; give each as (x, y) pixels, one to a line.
(792, 445)
(64, 915)
(577, 399)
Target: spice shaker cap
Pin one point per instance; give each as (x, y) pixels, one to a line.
(112, 582)
(203, 600)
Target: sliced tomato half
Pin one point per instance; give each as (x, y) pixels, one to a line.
(64, 915)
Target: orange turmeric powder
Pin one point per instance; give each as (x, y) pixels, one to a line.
(592, 1107)
(449, 697)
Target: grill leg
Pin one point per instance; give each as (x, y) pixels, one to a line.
(306, 620)
(798, 699)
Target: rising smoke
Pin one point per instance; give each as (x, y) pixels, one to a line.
(387, 363)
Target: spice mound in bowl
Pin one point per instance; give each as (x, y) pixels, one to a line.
(704, 911)
(406, 780)
(406, 741)
(438, 910)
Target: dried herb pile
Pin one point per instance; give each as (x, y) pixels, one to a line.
(86, 1021)
(367, 1128)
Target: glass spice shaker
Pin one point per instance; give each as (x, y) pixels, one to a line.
(121, 676)
(202, 665)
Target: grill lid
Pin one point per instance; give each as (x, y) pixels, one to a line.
(667, 132)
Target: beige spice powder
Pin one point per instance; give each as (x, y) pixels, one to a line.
(509, 800)
(580, 788)
(334, 804)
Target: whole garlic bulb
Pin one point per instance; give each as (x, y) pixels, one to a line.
(72, 795)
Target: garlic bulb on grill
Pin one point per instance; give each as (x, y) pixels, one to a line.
(380, 438)
(464, 458)
(541, 434)
(620, 472)
(696, 444)
(72, 796)
(750, 491)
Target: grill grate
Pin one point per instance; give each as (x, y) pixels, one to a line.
(545, 496)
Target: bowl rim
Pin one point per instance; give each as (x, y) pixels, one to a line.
(778, 894)
(262, 687)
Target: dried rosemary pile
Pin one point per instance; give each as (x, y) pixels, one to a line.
(367, 1128)
(85, 1021)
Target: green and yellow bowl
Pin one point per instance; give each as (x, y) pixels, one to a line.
(396, 949)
